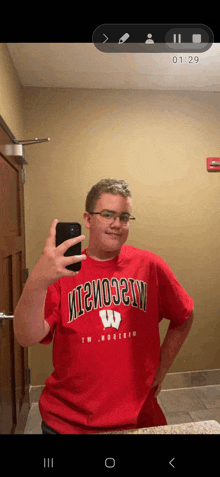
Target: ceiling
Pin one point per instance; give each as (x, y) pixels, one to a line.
(82, 65)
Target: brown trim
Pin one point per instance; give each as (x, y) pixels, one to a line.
(6, 129)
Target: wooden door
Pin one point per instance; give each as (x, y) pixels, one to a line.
(14, 384)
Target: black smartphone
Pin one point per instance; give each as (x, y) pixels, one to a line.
(66, 231)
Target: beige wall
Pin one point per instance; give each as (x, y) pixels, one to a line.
(158, 142)
(10, 94)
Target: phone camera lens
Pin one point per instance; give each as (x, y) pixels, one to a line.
(74, 229)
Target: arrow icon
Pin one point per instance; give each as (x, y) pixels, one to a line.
(106, 38)
(172, 461)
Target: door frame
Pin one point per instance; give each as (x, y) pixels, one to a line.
(19, 415)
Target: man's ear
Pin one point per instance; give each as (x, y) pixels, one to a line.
(87, 219)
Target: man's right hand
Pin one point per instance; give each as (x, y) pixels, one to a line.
(52, 264)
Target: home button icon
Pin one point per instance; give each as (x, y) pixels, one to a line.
(109, 462)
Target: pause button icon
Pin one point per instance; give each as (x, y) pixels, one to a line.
(179, 38)
(48, 463)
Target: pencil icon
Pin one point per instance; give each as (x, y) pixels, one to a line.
(123, 38)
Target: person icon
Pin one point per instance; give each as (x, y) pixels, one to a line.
(149, 36)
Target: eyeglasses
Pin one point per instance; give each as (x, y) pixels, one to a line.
(111, 215)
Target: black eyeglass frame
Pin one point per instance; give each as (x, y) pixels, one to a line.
(116, 215)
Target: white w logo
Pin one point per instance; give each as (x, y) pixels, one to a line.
(110, 318)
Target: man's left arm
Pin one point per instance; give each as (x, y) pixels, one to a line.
(174, 339)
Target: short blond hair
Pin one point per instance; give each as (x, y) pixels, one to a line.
(107, 186)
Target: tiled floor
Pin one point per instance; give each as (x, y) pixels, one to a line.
(201, 403)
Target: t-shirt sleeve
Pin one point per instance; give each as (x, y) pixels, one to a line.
(52, 310)
(174, 302)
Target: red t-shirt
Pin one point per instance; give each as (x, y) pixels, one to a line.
(106, 346)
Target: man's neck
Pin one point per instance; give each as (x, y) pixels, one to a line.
(102, 255)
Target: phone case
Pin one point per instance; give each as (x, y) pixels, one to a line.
(66, 231)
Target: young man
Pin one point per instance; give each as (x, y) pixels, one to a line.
(108, 363)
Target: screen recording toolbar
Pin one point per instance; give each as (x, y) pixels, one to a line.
(153, 38)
